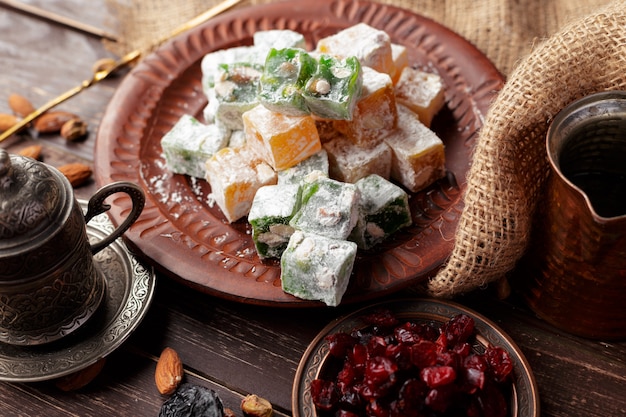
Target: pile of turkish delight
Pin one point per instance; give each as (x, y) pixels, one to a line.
(317, 149)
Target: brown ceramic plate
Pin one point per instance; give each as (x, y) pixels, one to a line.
(190, 240)
(524, 399)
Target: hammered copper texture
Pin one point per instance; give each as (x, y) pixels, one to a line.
(189, 239)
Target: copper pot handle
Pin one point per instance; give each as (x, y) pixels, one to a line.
(96, 206)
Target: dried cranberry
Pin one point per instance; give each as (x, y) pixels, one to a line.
(424, 354)
(458, 329)
(324, 394)
(346, 413)
(340, 343)
(491, 402)
(376, 409)
(381, 318)
(380, 375)
(401, 354)
(440, 399)
(376, 346)
(500, 363)
(437, 376)
(410, 397)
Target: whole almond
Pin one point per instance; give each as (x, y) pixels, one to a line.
(76, 173)
(33, 151)
(52, 121)
(254, 406)
(20, 105)
(74, 129)
(169, 371)
(7, 121)
(80, 378)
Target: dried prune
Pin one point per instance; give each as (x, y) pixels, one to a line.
(192, 400)
(391, 368)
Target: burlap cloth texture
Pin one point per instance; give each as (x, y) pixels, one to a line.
(552, 52)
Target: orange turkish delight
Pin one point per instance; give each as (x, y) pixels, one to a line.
(375, 113)
(280, 140)
(418, 157)
(423, 92)
(235, 175)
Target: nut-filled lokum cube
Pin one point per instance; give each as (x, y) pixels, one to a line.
(371, 46)
(316, 164)
(329, 208)
(317, 268)
(375, 114)
(235, 175)
(418, 156)
(188, 144)
(280, 140)
(422, 92)
(234, 93)
(334, 88)
(210, 62)
(384, 209)
(272, 209)
(349, 162)
(284, 77)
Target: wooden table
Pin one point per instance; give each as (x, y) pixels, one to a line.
(233, 348)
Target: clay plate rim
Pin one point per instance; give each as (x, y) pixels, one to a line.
(525, 393)
(187, 239)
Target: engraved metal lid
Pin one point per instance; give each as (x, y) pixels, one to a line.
(35, 200)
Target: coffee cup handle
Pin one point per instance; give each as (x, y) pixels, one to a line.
(96, 206)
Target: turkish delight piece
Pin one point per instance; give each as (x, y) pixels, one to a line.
(316, 164)
(400, 57)
(188, 144)
(371, 46)
(334, 88)
(234, 93)
(235, 175)
(237, 139)
(285, 75)
(349, 162)
(384, 209)
(272, 209)
(211, 62)
(317, 268)
(375, 114)
(265, 40)
(423, 92)
(418, 156)
(280, 140)
(329, 208)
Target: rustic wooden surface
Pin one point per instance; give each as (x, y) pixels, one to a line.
(233, 348)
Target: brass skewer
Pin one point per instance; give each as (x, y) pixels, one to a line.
(122, 62)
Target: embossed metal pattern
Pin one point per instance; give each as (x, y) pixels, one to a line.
(524, 400)
(189, 239)
(129, 290)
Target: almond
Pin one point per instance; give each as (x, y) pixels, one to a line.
(33, 151)
(7, 121)
(52, 121)
(80, 378)
(254, 406)
(20, 105)
(169, 371)
(74, 129)
(76, 173)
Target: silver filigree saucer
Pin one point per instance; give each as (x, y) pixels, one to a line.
(129, 290)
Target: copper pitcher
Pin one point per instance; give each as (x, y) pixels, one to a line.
(574, 274)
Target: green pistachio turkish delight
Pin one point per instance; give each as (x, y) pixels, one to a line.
(334, 89)
(234, 93)
(285, 75)
(272, 209)
(383, 210)
(329, 208)
(189, 143)
(316, 164)
(316, 267)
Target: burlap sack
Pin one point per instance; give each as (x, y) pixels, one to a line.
(509, 163)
